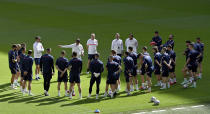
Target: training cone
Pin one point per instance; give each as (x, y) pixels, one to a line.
(97, 111)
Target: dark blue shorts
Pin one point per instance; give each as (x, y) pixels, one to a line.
(91, 56)
(147, 71)
(28, 77)
(173, 69)
(157, 71)
(134, 73)
(119, 55)
(111, 79)
(63, 79)
(165, 72)
(127, 77)
(37, 61)
(13, 70)
(200, 59)
(74, 78)
(192, 67)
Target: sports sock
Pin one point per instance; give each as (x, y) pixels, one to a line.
(174, 79)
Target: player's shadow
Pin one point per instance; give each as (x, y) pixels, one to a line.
(4, 87)
(50, 101)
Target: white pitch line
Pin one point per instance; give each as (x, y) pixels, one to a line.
(181, 108)
(197, 106)
(158, 111)
(140, 113)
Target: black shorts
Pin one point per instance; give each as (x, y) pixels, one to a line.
(119, 55)
(147, 71)
(111, 79)
(74, 78)
(127, 77)
(134, 73)
(37, 61)
(192, 67)
(173, 69)
(22, 74)
(165, 72)
(200, 59)
(157, 71)
(91, 56)
(63, 79)
(28, 77)
(13, 70)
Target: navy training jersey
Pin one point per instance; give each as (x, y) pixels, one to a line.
(166, 58)
(147, 60)
(134, 56)
(169, 42)
(172, 55)
(96, 66)
(112, 67)
(27, 64)
(76, 65)
(157, 40)
(199, 47)
(117, 59)
(12, 56)
(193, 54)
(129, 63)
(186, 53)
(157, 57)
(47, 64)
(62, 63)
(22, 56)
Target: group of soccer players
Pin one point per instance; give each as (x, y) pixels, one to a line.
(135, 63)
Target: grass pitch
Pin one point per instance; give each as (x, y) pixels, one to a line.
(61, 22)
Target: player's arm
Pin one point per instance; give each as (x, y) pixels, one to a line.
(52, 65)
(39, 47)
(157, 62)
(168, 65)
(41, 63)
(82, 50)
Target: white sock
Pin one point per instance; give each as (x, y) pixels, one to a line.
(149, 89)
(137, 86)
(58, 91)
(200, 74)
(29, 91)
(142, 84)
(194, 84)
(174, 79)
(168, 84)
(119, 86)
(185, 79)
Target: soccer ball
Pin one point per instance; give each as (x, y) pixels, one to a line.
(153, 99)
(156, 102)
(185, 86)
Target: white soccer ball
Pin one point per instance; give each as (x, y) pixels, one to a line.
(153, 99)
(185, 86)
(156, 102)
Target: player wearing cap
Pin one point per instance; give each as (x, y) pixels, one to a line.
(61, 65)
(13, 64)
(96, 68)
(27, 68)
(38, 49)
(117, 45)
(47, 69)
(131, 42)
(92, 45)
(199, 46)
(75, 67)
(158, 40)
(76, 47)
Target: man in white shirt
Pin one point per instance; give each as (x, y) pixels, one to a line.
(92, 45)
(38, 49)
(117, 45)
(131, 42)
(76, 47)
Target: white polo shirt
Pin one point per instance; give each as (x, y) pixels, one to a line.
(75, 48)
(117, 46)
(38, 49)
(131, 43)
(92, 46)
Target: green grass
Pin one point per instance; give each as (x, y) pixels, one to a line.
(61, 22)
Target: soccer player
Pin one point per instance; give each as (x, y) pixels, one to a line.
(200, 48)
(96, 68)
(144, 50)
(172, 55)
(157, 65)
(185, 69)
(146, 68)
(13, 64)
(116, 58)
(76, 47)
(192, 64)
(134, 56)
(128, 71)
(170, 41)
(117, 45)
(165, 68)
(131, 42)
(22, 56)
(18, 52)
(75, 66)
(92, 45)
(47, 69)
(113, 69)
(27, 68)
(61, 65)
(38, 49)
(158, 40)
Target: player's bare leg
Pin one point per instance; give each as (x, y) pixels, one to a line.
(80, 90)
